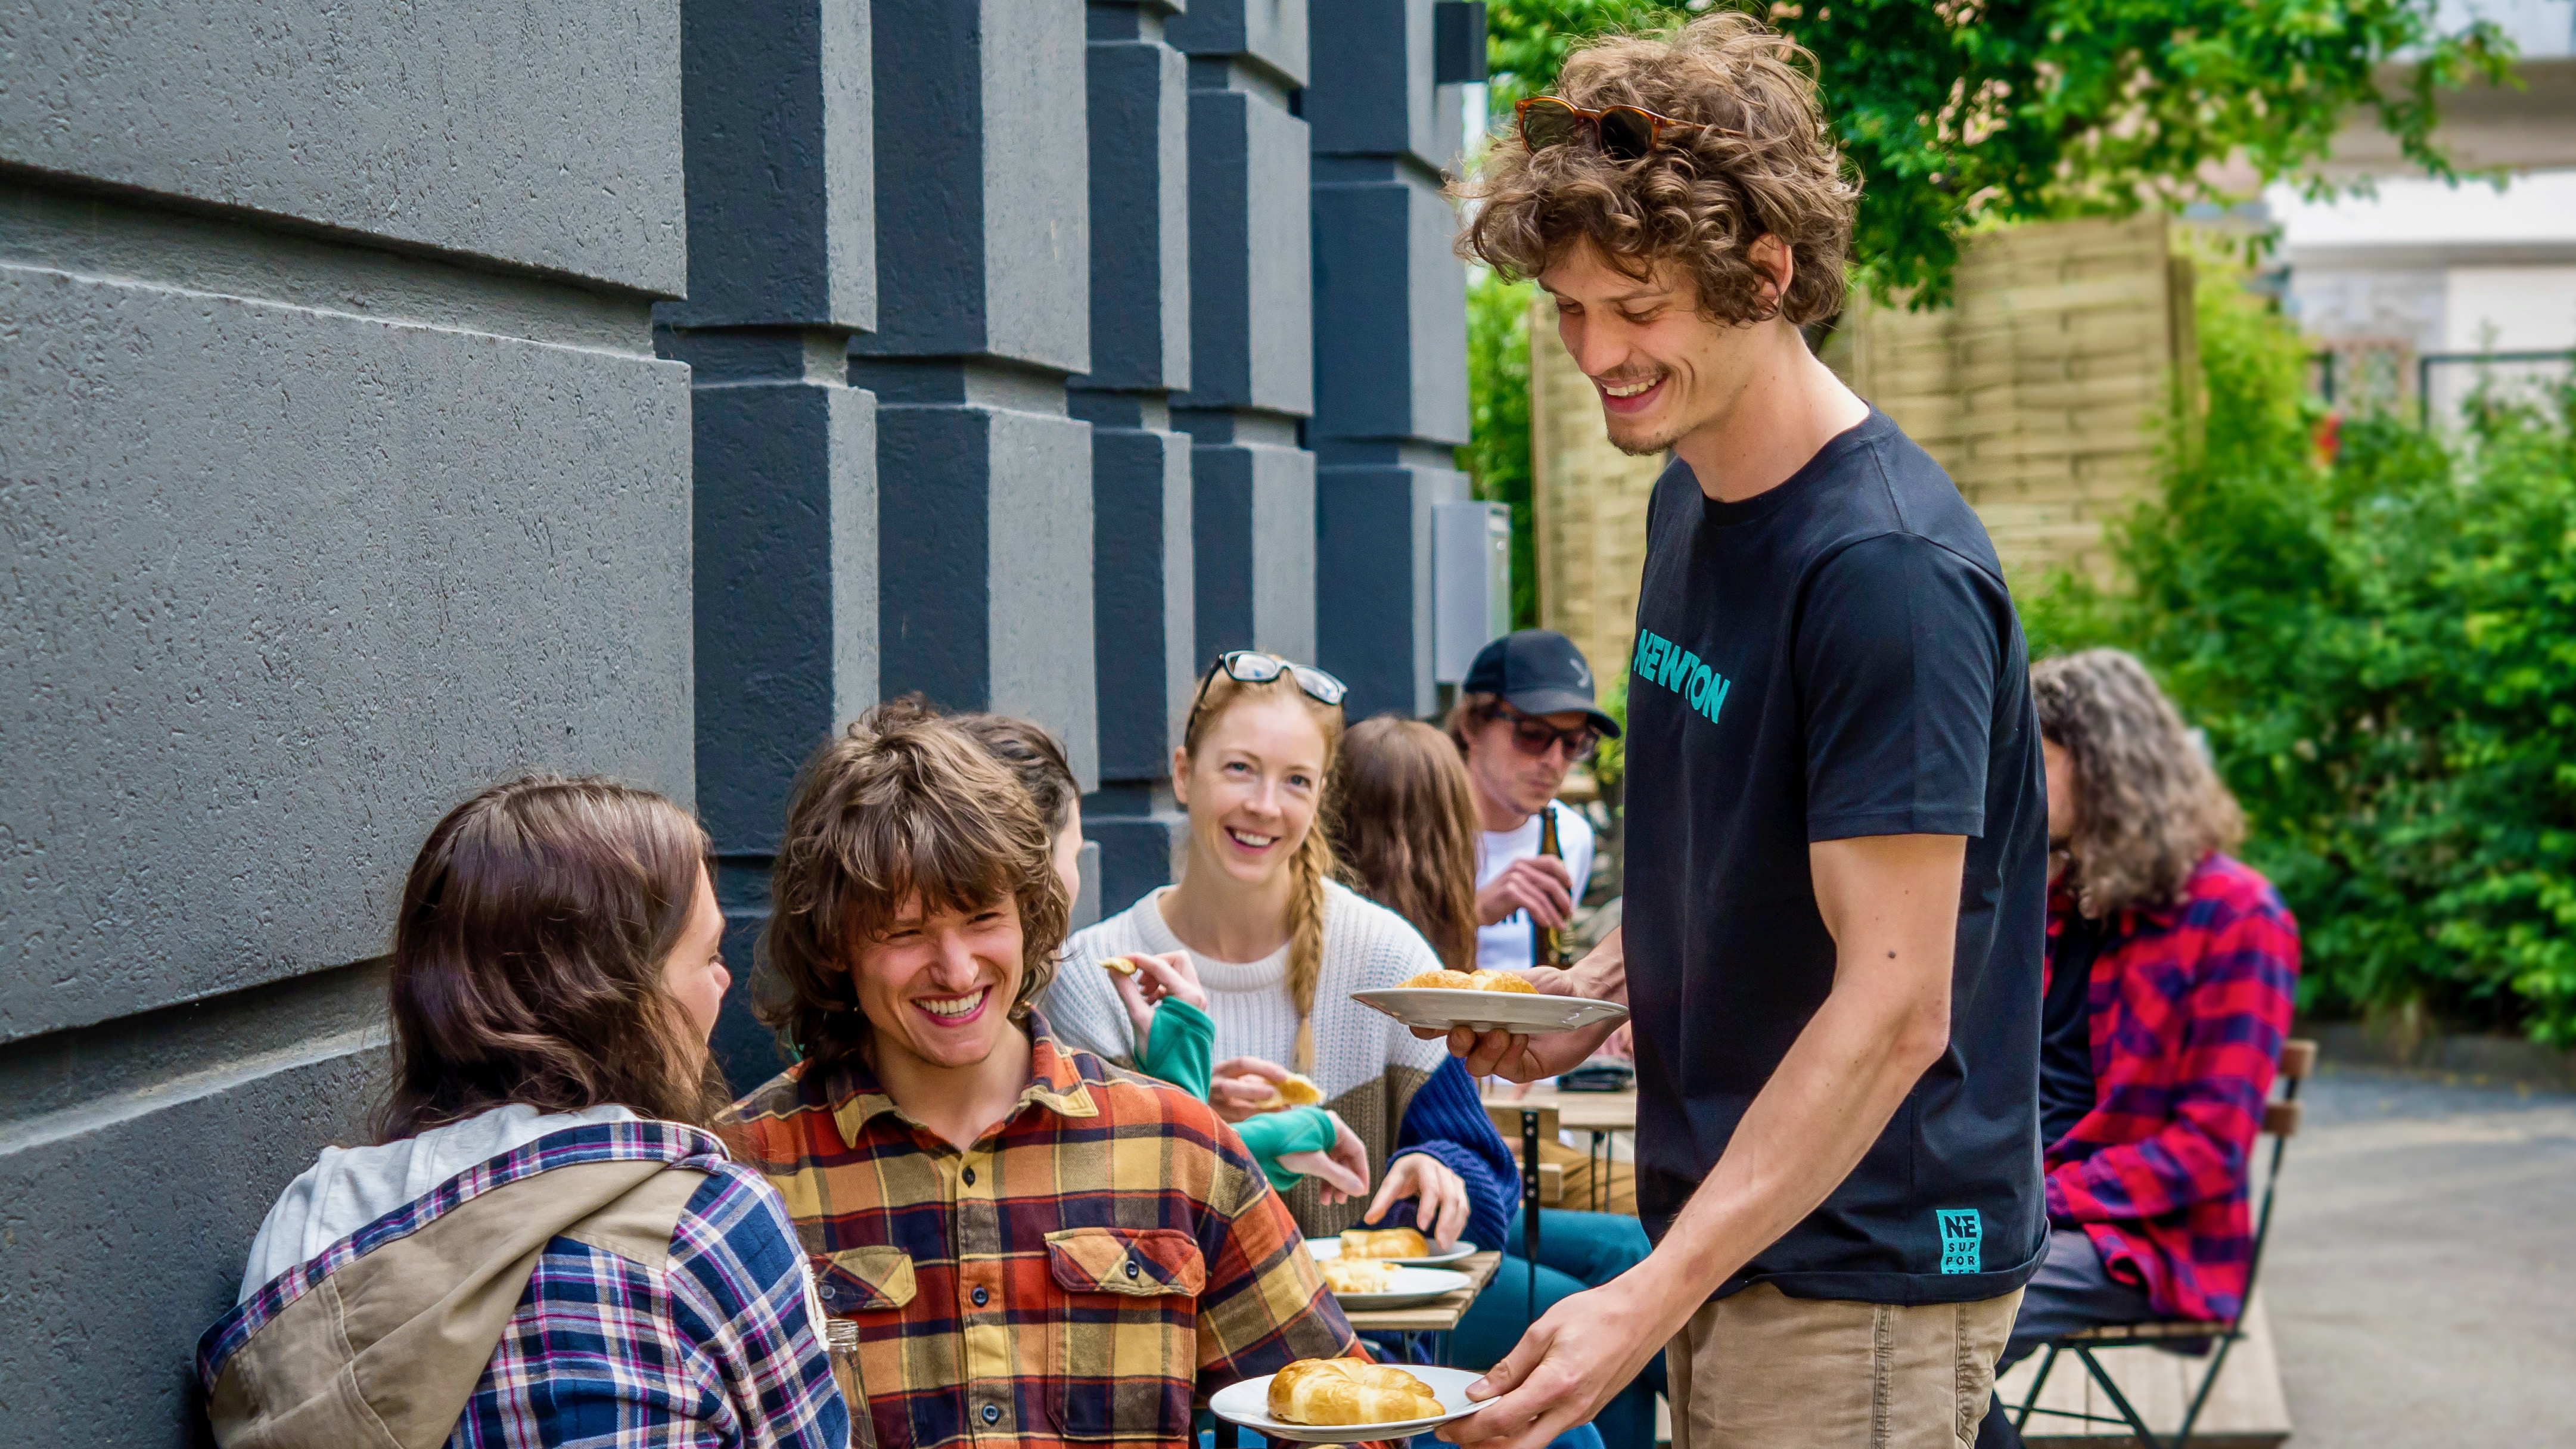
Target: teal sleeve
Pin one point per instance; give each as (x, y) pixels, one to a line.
(1269, 1136)
(1181, 1049)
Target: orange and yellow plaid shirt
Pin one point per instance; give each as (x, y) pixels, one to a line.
(1093, 1263)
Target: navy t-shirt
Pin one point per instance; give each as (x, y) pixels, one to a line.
(1836, 657)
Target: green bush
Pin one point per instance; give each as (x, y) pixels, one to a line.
(2382, 652)
(1497, 461)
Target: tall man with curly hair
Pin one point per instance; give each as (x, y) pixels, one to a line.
(1836, 850)
(2168, 991)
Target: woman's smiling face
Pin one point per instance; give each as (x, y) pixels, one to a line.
(1252, 786)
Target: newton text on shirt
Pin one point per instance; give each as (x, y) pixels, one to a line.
(1660, 661)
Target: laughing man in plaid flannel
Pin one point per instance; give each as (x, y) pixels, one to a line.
(2167, 995)
(1031, 1247)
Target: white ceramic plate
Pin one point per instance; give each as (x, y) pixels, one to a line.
(1321, 1248)
(1248, 1404)
(1406, 1288)
(1438, 1008)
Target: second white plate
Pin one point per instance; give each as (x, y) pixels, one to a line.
(1248, 1404)
(1439, 1008)
(1321, 1248)
(1406, 1288)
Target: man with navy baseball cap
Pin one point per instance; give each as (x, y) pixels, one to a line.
(1526, 715)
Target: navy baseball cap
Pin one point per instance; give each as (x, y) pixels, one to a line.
(1538, 671)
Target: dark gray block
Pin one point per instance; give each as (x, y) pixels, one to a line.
(1140, 204)
(1373, 579)
(1268, 34)
(982, 182)
(545, 137)
(1141, 834)
(1252, 512)
(292, 584)
(1390, 308)
(1251, 270)
(1144, 608)
(984, 506)
(781, 175)
(1373, 89)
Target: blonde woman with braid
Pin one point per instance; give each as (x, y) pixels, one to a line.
(1279, 947)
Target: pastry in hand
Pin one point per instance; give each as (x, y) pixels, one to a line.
(1472, 981)
(1297, 1091)
(1384, 1243)
(1349, 1391)
(1357, 1275)
(1120, 965)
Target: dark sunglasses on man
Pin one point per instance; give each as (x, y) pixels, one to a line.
(1622, 133)
(1534, 737)
(1251, 666)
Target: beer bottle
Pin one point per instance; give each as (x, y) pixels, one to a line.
(1548, 942)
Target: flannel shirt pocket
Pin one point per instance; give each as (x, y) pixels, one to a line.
(1122, 1336)
(858, 1279)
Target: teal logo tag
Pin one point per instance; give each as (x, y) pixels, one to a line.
(1961, 1239)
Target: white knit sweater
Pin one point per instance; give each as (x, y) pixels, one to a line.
(1366, 946)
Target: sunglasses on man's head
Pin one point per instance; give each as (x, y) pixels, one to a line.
(1622, 133)
(1533, 737)
(1251, 666)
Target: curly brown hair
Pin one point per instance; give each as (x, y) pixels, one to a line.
(902, 802)
(2149, 807)
(1758, 159)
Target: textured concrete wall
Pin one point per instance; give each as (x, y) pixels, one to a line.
(343, 480)
(1391, 338)
(1144, 606)
(1252, 359)
(782, 274)
(984, 478)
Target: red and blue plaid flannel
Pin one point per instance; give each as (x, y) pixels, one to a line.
(2188, 1007)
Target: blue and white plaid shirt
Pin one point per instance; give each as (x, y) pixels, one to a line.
(719, 1346)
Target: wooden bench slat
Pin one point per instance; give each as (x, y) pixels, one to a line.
(2298, 1058)
(2281, 1119)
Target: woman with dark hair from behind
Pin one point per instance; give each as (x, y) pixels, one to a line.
(544, 1244)
(1404, 826)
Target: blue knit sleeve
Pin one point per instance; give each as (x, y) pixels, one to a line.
(1447, 1120)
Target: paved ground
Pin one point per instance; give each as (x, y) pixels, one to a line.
(2422, 1278)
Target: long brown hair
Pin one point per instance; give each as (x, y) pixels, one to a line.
(529, 954)
(903, 802)
(1312, 865)
(2151, 807)
(1404, 825)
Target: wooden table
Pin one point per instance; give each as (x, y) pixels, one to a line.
(1599, 1113)
(1440, 1314)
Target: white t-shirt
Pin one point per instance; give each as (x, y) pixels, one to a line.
(1508, 944)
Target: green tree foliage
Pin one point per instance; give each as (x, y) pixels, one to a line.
(2383, 654)
(1967, 113)
(1498, 459)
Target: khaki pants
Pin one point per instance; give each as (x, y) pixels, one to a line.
(1762, 1370)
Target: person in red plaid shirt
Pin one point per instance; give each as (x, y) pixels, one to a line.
(2168, 991)
(1018, 1243)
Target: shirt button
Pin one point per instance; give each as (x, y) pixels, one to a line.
(970, 1182)
(1131, 1267)
(992, 1413)
(981, 1297)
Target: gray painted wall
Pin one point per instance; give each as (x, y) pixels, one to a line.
(343, 479)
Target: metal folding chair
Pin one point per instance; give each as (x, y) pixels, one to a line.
(2280, 1123)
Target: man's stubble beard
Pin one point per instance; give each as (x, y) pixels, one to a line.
(1643, 445)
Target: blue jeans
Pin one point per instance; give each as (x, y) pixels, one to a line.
(1576, 1250)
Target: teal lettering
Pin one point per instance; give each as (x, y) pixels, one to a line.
(1695, 689)
(1678, 665)
(1650, 653)
(1716, 698)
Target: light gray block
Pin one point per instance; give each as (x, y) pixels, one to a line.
(1251, 256)
(1270, 34)
(543, 136)
(287, 583)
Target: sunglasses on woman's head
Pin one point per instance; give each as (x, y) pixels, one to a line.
(1533, 737)
(1623, 133)
(1250, 666)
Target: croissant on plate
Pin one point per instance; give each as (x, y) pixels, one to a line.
(1472, 981)
(1357, 1275)
(1384, 1243)
(1348, 1391)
